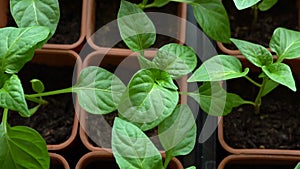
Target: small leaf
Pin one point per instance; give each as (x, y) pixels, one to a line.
(177, 133)
(36, 13)
(34, 109)
(191, 167)
(132, 148)
(37, 85)
(150, 98)
(297, 166)
(285, 43)
(176, 59)
(22, 147)
(220, 67)
(136, 28)
(280, 73)
(243, 4)
(256, 54)
(145, 63)
(213, 19)
(270, 85)
(266, 4)
(12, 96)
(98, 90)
(17, 46)
(214, 100)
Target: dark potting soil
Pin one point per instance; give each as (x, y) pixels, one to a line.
(276, 126)
(104, 16)
(283, 14)
(68, 30)
(53, 121)
(102, 164)
(263, 166)
(56, 165)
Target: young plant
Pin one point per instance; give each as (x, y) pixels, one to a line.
(256, 5)
(23, 147)
(285, 43)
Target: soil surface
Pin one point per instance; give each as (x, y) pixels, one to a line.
(244, 166)
(53, 121)
(276, 126)
(104, 16)
(283, 14)
(68, 30)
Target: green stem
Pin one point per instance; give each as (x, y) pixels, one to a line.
(249, 102)
(36, 100)
(252, 81)
(4, 119)
(255, 14)
(168, 159)
(259, 95)
(55, 92)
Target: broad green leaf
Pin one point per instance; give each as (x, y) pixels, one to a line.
(177, 133)
(285, 43)
(150, 98)
(176, 59)
(36, 13)
(22, 147)
(280, 73)
(214, 100)
(213, 19)
(219, 67)
(270, 85)
(145, 63)
(297, 166)
(132, 148)
(37, 85)
(265, 5)
(136, 28)
(17, 46)
(256, 54)
(243, 4)
(98, 90)
(12, 96)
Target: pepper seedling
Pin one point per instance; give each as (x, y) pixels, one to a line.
(284, 42)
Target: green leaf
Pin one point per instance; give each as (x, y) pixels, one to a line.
(37, 85)
(36, 13)
(191, 167)
(266, 4)
(12, 96)
(256, 54)
(132, 148)
(213, 19)
(297, 166)
(98, 90)
(285, 43)
(22, 147)
(219, 67)
(136, 28)
(270, 85)
(17, 46)
(243, 4)
(150, 98)
(176, 59)
(177, 133)
(214, 100)
(145, 63)
(280, 73)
